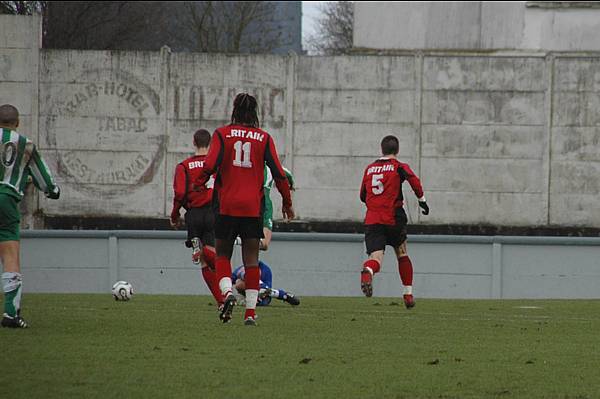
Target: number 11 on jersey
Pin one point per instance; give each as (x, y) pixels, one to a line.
(242, 154)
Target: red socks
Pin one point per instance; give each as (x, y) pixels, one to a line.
(252, 278)
(209, 257)
(223, 269)
(406, 270)
(211, 281)
(373, 265)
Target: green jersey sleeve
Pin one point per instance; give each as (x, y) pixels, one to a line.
(290, 177)
(40, 174)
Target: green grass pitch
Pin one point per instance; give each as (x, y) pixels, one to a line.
(91, 346)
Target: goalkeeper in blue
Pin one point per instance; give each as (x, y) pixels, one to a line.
(20, 162)
(266, 291)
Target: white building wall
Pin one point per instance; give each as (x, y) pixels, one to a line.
(482, 25)
(496, 139)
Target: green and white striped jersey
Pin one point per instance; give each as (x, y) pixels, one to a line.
(19, 159)
(268, 182)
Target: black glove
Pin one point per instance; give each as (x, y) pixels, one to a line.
(54, 193)
(424, 206)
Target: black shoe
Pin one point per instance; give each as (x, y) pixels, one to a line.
(409, 301)
(250, 321)
(292, 300)
(227, 310)
(13, 322)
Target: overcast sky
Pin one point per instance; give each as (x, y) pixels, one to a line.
(310, 13)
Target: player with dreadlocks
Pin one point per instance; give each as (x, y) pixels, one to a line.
(238, 154)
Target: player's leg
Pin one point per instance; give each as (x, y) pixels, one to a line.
(11, 284)
(264, 243)
(375, 241)
(266, 281)
(397, 239)
(193, 226)
(200, 228)
(12, 280)
(405, 269)
(225, 233)
(267, 224)
(251, 233)
(209, 253)
(285, 296)
(208, 270)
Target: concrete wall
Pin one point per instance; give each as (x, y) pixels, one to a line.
(481, 25)
(501, 139)
(445, 266)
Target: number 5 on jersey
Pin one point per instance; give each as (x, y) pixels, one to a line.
(377, 184)
(242, 154)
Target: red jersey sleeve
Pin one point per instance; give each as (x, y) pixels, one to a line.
(178, 189)
(213, 159)
(407, 174)
(363, 189)
(281, 181)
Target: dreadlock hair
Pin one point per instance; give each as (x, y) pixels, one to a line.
(244, 110)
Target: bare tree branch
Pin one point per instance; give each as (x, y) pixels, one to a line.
(334, 29)
(22, 7)
(231, 26)
(101, 25)
(205, 26)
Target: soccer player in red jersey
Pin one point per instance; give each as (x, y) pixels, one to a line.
(199, 216)
(385, 221)
(238, 154)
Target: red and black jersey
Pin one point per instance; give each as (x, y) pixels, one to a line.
(238, 155)
(381, 189)
(187, 194)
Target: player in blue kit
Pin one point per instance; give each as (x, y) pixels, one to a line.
(266, 291)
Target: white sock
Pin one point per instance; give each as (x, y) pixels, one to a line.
(408, 290)
(251, 299)
(12, 284)
(225, 285)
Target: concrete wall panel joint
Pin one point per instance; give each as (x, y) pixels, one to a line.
(113, 260)
(496, 270)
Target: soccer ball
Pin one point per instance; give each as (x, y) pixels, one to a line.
(122, 291)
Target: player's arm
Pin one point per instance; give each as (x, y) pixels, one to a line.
(41, 176)
(213, 159)
(290, 178)
(179, 194)
(281, 181)
(363, 189)
(407, 174)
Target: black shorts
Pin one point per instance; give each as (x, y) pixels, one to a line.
(200, 222)
(229, 227)
(377, 236)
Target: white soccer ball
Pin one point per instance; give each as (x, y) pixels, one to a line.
(122, 291)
